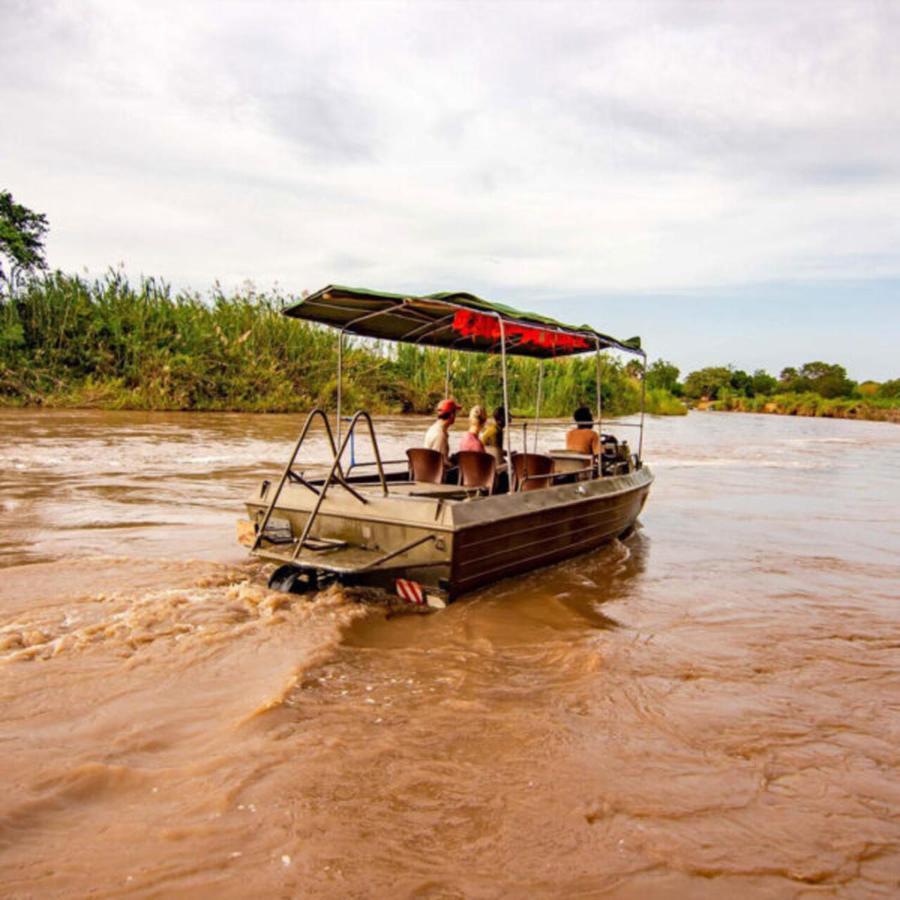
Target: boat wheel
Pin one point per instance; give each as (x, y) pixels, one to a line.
(291, 580)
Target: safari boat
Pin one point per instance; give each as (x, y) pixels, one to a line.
(399, 525)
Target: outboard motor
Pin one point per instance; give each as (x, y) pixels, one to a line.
(609, 453)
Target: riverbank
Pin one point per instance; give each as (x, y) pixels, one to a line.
(813, 405)
(115, 395)
(107, 344)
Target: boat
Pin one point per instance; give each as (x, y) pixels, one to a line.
(397, 525)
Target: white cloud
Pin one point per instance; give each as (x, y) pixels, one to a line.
(609, 147)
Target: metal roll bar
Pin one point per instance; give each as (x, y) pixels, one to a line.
(317, 412)
(335, 467)
(335, 475)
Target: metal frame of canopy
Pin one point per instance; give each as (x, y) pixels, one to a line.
(426, 327)
(538, 335)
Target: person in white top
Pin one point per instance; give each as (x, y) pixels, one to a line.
(436, 436)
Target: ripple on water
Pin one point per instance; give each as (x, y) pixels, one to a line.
(706, 709)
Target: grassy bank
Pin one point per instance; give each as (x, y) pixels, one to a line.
(810, 404)
(69, 342)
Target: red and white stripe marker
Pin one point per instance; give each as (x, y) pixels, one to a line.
(410, 591)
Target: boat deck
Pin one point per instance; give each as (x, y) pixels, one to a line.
(433, 491)
(348, 559)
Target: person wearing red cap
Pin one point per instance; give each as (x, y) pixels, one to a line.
(436, 436)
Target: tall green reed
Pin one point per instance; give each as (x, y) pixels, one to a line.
(67, 340)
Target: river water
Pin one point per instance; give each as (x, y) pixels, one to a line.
(709, 709)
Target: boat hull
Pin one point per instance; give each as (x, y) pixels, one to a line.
(463, 544)
(539, 537)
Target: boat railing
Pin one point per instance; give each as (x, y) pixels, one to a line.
(604, 423)
(354, 464)
(591, 471)
(336, 474)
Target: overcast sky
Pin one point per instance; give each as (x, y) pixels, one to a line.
(723, 179)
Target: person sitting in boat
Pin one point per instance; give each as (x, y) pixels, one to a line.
(470, 440)
(582, 438)
(436, 436)
(492, 435)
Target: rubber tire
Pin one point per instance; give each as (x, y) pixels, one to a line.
(291, 580)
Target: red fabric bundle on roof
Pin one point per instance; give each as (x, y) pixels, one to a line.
(477, 325)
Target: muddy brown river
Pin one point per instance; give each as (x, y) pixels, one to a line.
(708, 709)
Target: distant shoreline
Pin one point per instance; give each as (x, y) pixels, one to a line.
(67, 343)
(810, 406)
(859, 412)
(61, 404)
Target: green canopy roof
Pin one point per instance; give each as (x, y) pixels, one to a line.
(457, 321)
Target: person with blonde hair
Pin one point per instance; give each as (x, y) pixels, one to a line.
(493, 434)
(470, 440)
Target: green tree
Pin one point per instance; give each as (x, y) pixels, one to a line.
(21, 240)
(763, 383)
(867, 389)
(634, 368)
(707, 382)
(663, 374)
(889, 389)
(825, 379)
(741, 383)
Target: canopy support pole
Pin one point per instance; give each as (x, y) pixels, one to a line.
(340, 364)
(505, 382)
(447, 376)
(640, 452)
(537, 411)
(340, 380)
(599, 394)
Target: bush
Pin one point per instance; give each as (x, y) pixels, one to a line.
(662, 403)
(72, 342)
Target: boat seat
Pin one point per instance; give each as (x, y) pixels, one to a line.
(531, 471)
(477, 469)
(578, 466)
(425, 466)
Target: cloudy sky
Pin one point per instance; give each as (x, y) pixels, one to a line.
(723, 179)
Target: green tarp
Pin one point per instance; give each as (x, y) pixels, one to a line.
(457, 321)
